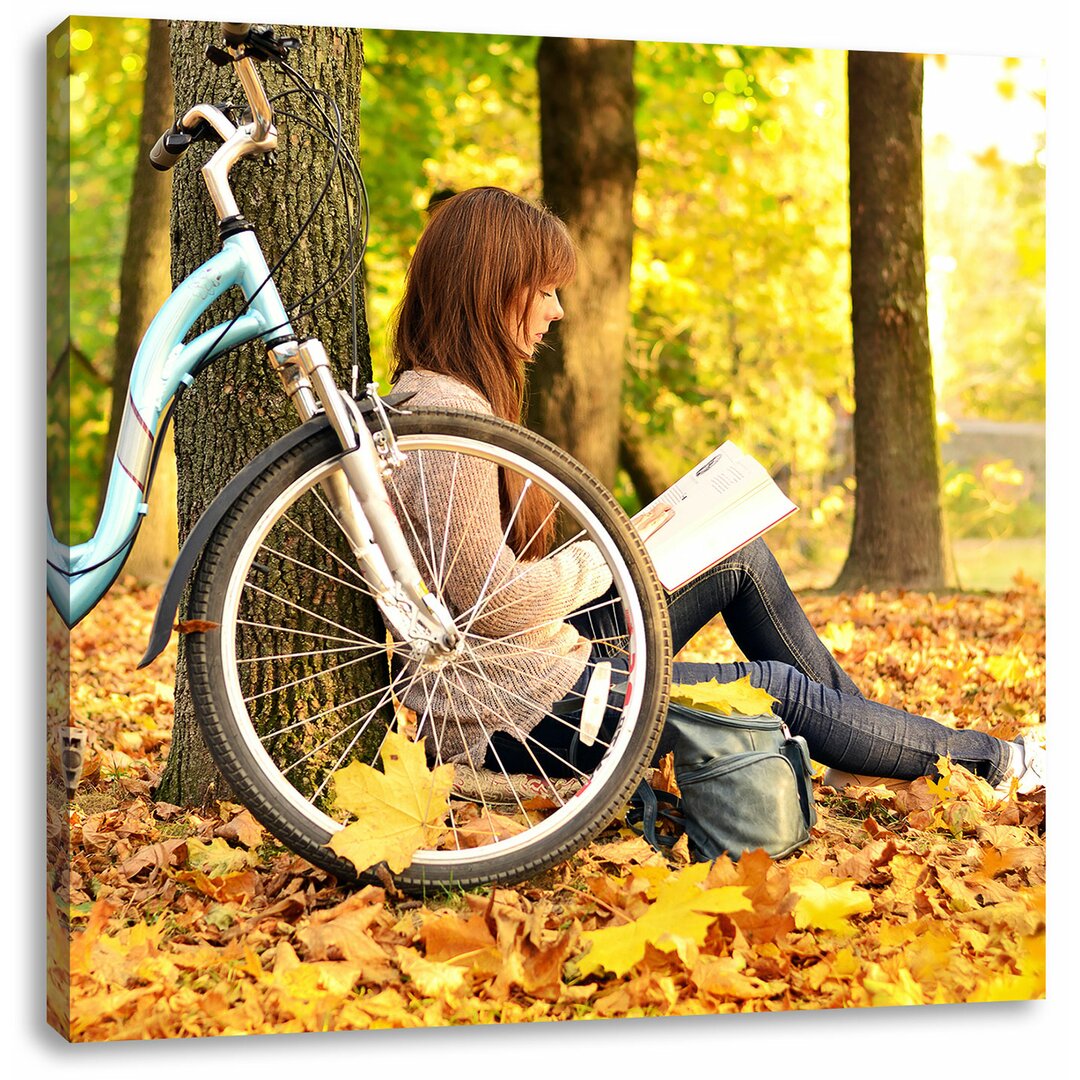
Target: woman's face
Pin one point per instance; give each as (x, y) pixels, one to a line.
(543, 310)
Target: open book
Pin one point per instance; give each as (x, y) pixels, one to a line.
(723, 503)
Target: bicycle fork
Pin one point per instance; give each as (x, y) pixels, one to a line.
(358, 498)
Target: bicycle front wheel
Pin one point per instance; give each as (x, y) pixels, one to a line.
(299, 680)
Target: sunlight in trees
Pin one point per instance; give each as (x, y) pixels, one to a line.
(740, 277)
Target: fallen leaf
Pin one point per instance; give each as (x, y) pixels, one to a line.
(432, 978)
(487, 827)
(242, 828)
(398, 810)
(680, 915)
(216, 858)
(194, 626)
(168, 853)
(739, 697)
(827, 905)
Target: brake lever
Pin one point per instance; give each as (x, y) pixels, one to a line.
(262, 45)
(218, 56)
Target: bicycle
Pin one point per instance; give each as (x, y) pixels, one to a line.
(271, 667)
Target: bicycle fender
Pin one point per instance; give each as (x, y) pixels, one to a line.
(204, 528)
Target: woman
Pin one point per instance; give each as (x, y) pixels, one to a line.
(481, 292)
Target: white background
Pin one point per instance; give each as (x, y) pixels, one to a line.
(999, 1041)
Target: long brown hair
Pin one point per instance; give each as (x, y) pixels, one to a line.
(482, 258)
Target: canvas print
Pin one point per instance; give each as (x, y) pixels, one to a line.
(540, 529)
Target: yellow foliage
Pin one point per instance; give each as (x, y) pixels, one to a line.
(679, 917)
(740, 697)
(828, 905)
(934, 893)
(398, 810)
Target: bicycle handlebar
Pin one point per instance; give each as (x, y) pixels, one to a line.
(256, 44)
(167, 150)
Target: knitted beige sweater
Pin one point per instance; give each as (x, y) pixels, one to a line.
(522, 656)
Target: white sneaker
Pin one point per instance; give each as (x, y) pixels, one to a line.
(1028, 767)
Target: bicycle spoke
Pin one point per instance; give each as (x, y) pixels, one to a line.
(488, 645)
(427, 517)
(341, 529)
(489, 612)
(372, 651)
(305, 611)
(429, 692)
(305, 678)
(322, 573)
(465, 533)
(527, 736)
(515, 579)
(569, 724)
(308, 633)
(308, 720)
(385, 700)
(446, 526)
(502, 769)
(506, 532)
(386, 695)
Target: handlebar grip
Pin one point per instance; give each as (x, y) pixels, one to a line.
(235, 33)
(167, 150)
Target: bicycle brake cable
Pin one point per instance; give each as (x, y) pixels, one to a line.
(128, 540)
(209, 355)
(341, 151)
(344, 159)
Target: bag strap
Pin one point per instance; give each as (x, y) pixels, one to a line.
(644, 812)
(794, 748)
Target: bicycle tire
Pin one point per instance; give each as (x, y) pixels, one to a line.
(253, 555)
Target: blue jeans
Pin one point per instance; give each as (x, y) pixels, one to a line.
(814, 696)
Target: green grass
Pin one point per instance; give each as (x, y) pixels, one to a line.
(982, 565)
(993, 564)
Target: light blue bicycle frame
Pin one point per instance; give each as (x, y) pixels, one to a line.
(78, 576)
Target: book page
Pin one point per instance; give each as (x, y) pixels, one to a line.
(723, 503)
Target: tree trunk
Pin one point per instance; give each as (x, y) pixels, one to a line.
(588, 152)
(145, 284)
(237, 407)
(898, 537)
(649, 479)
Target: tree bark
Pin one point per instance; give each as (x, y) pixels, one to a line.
(237, 407)
(145, 284)
(898, 537)
(588, 151)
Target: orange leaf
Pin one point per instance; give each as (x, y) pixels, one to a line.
(243, 828)
(194, 626)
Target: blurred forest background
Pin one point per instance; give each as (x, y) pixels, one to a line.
(741, 272)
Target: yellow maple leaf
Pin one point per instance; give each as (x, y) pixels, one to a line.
(725, 698)
(940, 789)
(216, 858)
(681, 915)
(827, 905)
(397, 811)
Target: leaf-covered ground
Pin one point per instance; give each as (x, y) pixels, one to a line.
(185, 923)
